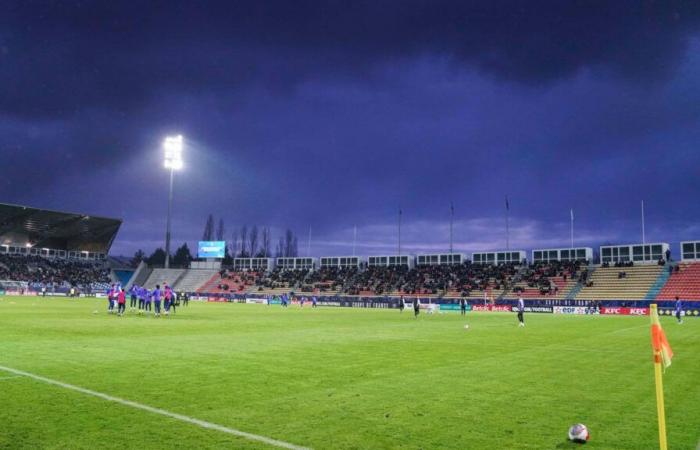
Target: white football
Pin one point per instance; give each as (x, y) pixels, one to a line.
(579, 433)
(466, 327)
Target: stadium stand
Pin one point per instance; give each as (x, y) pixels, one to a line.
(55, 250)
(225, 281)
(552, 280)
(431, 281)
(40, 272)
(28, 231)
(684, 283)
(620, 283)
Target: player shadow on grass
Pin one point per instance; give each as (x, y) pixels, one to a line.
(568, 444)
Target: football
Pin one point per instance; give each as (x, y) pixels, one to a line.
(579, 433)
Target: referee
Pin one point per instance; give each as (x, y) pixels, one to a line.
(521, 311)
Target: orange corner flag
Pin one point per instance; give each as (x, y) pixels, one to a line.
(662, 355)
(662, 349)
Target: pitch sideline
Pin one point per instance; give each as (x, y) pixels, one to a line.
(151, 409)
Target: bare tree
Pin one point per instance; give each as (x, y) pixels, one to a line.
(220, 230)
(244, 240)
(295, 247)
(233, 247)
(280, 248)
(288, 242)
(265, 250)
(253, 241)
(208, 229)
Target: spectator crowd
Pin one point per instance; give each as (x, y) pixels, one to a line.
(44, 272)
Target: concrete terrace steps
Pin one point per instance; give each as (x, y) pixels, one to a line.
(608, 286)
(162, 276)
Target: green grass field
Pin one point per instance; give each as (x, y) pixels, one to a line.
(338, 378)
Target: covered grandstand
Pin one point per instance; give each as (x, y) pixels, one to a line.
(52, 251)
(32, 231)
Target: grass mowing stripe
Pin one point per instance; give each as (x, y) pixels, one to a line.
(191, 420)
(10, 377)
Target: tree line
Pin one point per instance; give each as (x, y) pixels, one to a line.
(244, 242)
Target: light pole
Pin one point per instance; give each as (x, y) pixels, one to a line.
(172, 145)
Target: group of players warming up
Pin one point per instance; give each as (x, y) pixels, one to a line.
(144, 301)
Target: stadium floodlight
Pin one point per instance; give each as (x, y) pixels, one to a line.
(172, 145)
(173, 152)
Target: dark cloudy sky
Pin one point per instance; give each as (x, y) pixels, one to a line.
(334, 114)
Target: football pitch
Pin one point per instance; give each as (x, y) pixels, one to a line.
(335, 378)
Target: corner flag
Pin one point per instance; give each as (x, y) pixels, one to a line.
(659, 341)
(662, 354)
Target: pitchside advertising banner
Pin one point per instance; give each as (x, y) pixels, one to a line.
(504, 308)
(573, 310)
(687, 312)
(624, 311)
(453, 307)
(211, 249)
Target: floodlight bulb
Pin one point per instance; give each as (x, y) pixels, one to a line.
(172, 145)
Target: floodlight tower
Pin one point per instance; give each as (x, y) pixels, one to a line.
(172, 145)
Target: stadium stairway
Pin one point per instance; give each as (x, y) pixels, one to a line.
(140, 275)
(571, 295)
(122, 276)
(685, 283)
(193, 279)
(658, 284)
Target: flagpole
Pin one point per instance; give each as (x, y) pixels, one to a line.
(308, 245)
(452, 216)
(400, 231)
(659, 381)
(572, 229)
(644, 241)
(507, 224)
(354, 240)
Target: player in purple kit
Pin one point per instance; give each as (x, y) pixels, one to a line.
(134, 295)
(679, 310)
(148, 300)
(155, 295)
(142, 294)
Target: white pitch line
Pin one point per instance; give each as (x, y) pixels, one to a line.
(162, 412)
